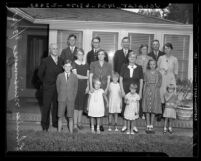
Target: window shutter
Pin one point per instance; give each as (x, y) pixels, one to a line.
(62, 37)
(109, 43)
(180, 51)
(137, 39)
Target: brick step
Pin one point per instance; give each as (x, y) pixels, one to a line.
(31, 117)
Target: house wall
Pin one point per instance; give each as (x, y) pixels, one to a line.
(122, 32)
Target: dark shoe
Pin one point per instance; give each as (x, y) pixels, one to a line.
(101, 128)
(75, 130)
(45, 129)
(80, 127)
(159, 117)
(55, 126)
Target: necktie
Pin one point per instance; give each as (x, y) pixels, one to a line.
(125, 52)
(71, 50)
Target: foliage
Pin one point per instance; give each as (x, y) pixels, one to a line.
(175, 146)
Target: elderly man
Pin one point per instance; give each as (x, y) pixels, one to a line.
(48, 71)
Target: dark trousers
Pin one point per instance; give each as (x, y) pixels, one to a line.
(49, 98)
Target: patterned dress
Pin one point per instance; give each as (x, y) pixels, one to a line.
(170, 105)
(151, 94)
(132, 108)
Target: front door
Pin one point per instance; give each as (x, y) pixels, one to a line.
(37, 47)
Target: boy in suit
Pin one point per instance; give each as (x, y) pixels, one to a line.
(156, 53)
(121, 56)
(93, 54)
(71, 50)
(48, 70)
(67, 85)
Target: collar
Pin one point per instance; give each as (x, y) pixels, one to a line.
(132, 67)
(96, 50)
(67, 73)
(79, 63)
(72, 47)
(54, 58)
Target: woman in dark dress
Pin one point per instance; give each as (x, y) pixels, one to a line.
(81, 69)
(130, 73)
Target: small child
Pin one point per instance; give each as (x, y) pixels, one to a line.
(67, 84)
(131, 112)
(115, 100)
(96, 107)
(170, 98)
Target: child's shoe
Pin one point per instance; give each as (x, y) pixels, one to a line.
(135, 129)
(116, 129)
(132, 133)
(170, 130)
(128, 132)
(92, 130)
(164, 130)
(124, 129)
(109, 129)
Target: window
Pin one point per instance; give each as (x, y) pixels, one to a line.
(62, 37)
(109, 42)
(136, 39)
(181, 51)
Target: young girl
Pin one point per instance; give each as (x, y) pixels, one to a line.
(131, 112)
(96, 107)
(81, 69)
(170, 98)
(151, 103)
(115, 102)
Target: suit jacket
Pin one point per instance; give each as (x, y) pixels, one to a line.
(91, 57)
(67, 90)
(67, 54)
(119, 59)
(48, 71)
(151, 54)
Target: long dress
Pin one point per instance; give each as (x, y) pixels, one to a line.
(82, 84)
(115, 99)
(96, 104)
(168, 67)
(170, 103)
(132, 108)
(151, 101)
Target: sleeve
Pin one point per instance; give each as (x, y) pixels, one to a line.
(158, 63)
(75, 86)
(41, 70)
(58, 83)
(88, 58)
(137, 98)
(109, 70)
(176, 66)
(145, 77)
(115, 61)
(92, 68)
(159, 80)
(62, 56)
(141, 73)
(122, 70)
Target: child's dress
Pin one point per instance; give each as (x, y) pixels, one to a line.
(132, 108)
(96, 103)
(115, 99)
(170, 103)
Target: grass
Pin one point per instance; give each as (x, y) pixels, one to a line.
(173, 146)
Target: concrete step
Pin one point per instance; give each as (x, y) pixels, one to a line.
(32, 117)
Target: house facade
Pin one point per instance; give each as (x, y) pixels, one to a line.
(44, 26)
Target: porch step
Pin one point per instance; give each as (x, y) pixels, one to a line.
(32, 117)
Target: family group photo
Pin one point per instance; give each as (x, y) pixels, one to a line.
(100, 80)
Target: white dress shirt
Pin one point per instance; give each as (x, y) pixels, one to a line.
(131, 68)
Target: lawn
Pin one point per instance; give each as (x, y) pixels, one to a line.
(173, 146)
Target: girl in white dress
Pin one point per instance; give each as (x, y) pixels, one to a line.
(96, 107)
(131, 112)
(115, 100)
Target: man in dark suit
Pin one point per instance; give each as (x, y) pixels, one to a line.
(121, 56)
(156, 53)
(93, 54)
(70, 51)
(48, 71)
